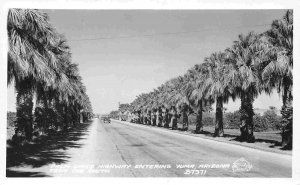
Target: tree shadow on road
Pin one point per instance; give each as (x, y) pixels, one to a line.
(12, 173)
(43, 151)
(234, 137)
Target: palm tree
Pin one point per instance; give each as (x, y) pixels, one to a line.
(137, 106)
(244, 76)
(75, 97)
(141, 104)
(277, 71)
(83, 105)
(30, 59)
(197, 90)
(180, 96)
(217, 88)
(48, 97)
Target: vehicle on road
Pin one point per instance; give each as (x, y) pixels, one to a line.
(105, 119)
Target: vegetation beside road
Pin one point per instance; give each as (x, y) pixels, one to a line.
(268, 121)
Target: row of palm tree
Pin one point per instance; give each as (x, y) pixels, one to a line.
(254, 64)
(41, 69)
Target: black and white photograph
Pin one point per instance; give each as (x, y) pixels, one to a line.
(159, 92)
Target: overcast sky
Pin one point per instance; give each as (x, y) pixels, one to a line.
(117, 69)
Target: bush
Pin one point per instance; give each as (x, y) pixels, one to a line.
(232, 120)
(114, 114)
(270, 121)
(208, 120)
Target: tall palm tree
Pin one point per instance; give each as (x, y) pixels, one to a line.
(177, 96)
(48, 97)
(75, 96)
(278, 71)
(30, 59)
(174, 94)
(196, 85)
(244, 76)
(181, 98)
(217, 88)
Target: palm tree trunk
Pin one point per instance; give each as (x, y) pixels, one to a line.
(145, 119)
(148, 118)
(39, 119)
(59, 111)
(78, 112)
(247, 114)
(165, 119)
(24, 110)
(66, 118)
(46, 120)
(139, 118)
(159, 119)
(219, 131)
(287, 120)
(154, 119)
(185, 120)
(174, 120)
(199, 125)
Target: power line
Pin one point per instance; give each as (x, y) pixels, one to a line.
(167, 33)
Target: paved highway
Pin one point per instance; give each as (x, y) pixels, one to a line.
(121, 149)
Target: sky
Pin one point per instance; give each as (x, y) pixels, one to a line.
(122, 53)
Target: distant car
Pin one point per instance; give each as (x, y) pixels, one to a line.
(123, 117)
(105, 119)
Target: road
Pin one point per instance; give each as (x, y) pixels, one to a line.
(133, 150)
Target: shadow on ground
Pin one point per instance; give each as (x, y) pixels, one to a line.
(234, 137)
(43, 151)
(273, 143)
(11, 173)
